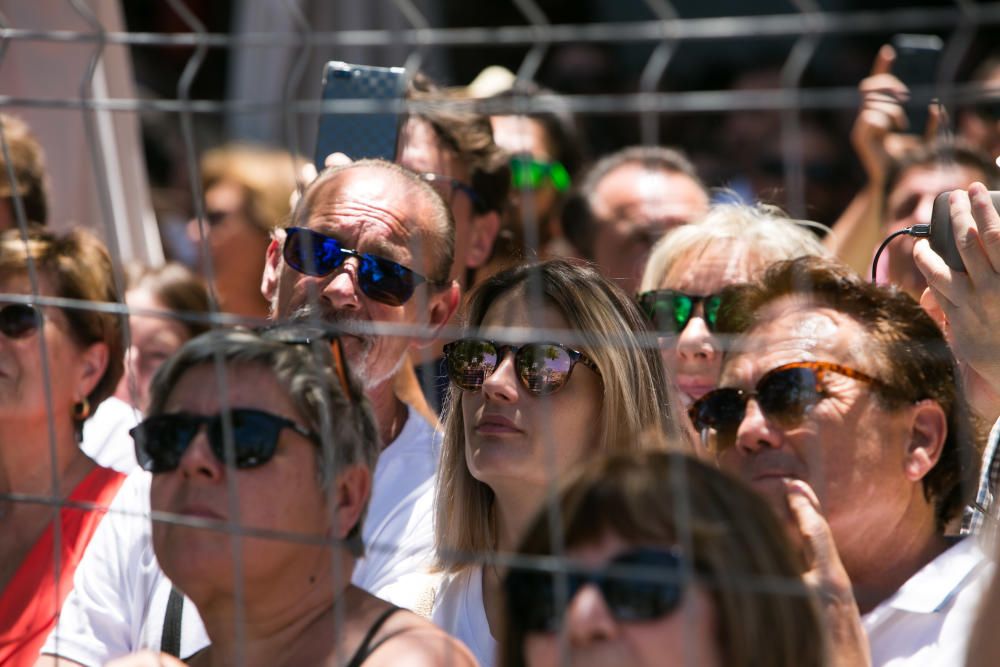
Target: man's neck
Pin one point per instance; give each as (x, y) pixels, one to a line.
(891, 561)
(390, 412)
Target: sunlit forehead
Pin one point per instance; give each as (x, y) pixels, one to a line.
(715, 266)
(517, 312)
(793, 329)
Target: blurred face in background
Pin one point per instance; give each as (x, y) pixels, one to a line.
(235, 245)
(632, 208)
(526, 138)
(910, 203)
(421, 151)
(693, 356)
(153, 340)
(980, 125)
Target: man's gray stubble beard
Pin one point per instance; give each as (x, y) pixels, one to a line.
(360, 362)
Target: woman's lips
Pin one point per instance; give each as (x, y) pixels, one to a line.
(201, 512)
(496, 425)
(695, 388)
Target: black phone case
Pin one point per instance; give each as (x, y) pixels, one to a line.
(942, 236)
(916, 65)
(359, 135)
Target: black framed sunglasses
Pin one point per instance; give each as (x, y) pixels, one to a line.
(669, 311)
(161, 440)
(785, 394)
(381, 279)
(639, 585)
(19, 320)
(544, 368)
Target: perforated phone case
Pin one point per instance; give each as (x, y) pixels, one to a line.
(359, 135)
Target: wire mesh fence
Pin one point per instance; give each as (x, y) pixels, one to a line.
(128, 100)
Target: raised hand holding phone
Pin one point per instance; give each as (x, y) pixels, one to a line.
(968, 302)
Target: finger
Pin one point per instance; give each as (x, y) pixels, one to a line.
(963, 226)
(884, 84)
(987, 222)
(804, 507)
(929, 302)
(893, 116)
(883, 60)
(937, 119)
(336, 160)
(307, 173)
(949, 312)
(937, 273)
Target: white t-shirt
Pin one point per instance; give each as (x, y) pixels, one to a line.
(105, 435)
(120, 595)
(399, 527)
(929, 619)
(459, 610)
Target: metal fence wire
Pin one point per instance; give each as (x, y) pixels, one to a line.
(127, 97)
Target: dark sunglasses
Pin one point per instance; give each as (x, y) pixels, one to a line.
(19, 320)
(526, 172)
(215, 216)
(669, 311)
(639, 585)
(381, 279)
(544, 368)
(447, 186)
(988, 109)
(785, 394)
(161, 440)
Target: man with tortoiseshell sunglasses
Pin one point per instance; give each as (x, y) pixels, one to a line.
(851, 389)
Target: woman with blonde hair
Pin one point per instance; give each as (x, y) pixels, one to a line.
(681, 288)
(247, 190)
(526, 407)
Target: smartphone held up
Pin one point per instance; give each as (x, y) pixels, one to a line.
(368, 133)
(917, 60)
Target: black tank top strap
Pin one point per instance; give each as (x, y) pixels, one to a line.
(367, 648)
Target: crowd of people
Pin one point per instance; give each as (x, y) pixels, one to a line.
(488, 405)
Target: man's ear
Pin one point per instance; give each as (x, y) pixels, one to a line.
(352, 488)
(272, 265)
(928, 430)
(94, 363)
(442, 306)
(485, 228)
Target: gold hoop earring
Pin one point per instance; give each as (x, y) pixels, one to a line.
(81, 409)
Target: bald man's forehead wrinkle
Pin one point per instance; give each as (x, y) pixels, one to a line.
(347, 213)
